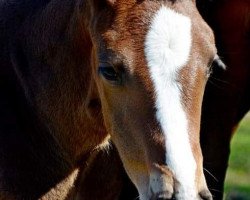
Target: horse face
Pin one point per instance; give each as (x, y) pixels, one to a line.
(151, 61)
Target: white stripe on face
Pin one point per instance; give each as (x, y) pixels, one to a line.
(167, 49)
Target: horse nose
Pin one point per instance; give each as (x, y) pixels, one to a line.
(205, 195)
(161, 183)
(165, 196)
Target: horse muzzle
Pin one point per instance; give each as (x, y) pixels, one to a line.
(164, 186)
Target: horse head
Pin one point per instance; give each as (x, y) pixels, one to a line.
(150, 63)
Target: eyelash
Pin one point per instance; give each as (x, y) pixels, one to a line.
(108, 72)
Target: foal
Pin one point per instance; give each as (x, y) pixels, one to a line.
(77, 73)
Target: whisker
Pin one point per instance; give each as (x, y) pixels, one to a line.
(211, 174)
(211, 189)
(220, 84)
(219, 80)
(215, 190)
(216, 85)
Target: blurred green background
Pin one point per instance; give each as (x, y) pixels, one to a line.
(237, 186)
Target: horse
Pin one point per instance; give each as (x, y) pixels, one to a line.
(227, 96)
(78, 74)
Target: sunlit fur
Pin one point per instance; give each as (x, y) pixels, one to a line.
(58, 110)
(168, 45)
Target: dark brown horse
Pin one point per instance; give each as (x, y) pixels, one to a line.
(75, 73)
(227, 96)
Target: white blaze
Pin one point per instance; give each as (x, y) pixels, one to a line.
(167, 50)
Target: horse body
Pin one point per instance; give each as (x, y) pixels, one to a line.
(75, 73)
(227, 96)
(44, 123)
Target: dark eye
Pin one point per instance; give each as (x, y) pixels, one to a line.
(110, 74)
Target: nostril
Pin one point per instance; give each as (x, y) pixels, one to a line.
(165, 196)
(205, 195)
(160, 198)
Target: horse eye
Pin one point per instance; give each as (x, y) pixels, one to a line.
(109, 74)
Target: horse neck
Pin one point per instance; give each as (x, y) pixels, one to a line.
(54, 70)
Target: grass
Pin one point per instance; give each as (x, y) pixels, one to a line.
(237, 185)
